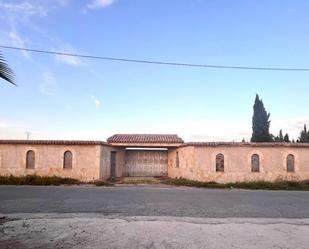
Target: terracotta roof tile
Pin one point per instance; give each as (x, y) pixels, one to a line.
(214, 144)
(145, 138)
(55, 142)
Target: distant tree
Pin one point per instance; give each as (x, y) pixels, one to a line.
(280, 138)
(6, 72)
(286, 138)
(243, 140)
(260, 123)
(304, 136)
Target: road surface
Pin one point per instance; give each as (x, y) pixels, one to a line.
(83, 217)
(155, 201)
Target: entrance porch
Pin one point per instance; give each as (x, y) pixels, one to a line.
(145, 154)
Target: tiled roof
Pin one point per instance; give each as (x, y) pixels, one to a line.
(210, 144)
(145, 138)
(55, 142)
(151, 138)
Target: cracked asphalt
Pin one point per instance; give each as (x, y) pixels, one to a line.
(85, 231)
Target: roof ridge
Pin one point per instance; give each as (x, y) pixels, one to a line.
(148, 134)
(145, 138)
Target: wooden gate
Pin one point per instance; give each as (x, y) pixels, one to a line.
(146, 163)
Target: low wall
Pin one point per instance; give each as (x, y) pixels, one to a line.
(199, 163)
(49, 160)
(91, 160)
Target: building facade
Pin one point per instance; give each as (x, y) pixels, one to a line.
(155, 155)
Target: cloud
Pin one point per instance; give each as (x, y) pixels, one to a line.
(96, 101)
(291, 126)
(24, 16)
(64, 3)
(4, 124)
(48, 84)
(298, 123)
(24, 8)
(98, 4)
(213, 130)
(17, 41)
(69, 60)
(9, 129)
(198, 128)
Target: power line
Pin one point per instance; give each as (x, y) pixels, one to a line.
(168, 63)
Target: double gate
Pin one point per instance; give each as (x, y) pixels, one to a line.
(146, 163)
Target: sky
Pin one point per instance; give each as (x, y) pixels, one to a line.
(62, 97)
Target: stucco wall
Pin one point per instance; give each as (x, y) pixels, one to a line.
(199, 163)
(92, 162)
(105, 162)
(49, 160)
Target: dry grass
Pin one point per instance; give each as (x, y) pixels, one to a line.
(139, 180)
(54, 180)
(100, 183)
(37, 180)
(278, 185)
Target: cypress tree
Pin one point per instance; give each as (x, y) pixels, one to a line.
(281, 139)
(304, 135)
(260, 122)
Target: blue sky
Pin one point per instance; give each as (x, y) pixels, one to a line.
(70, 98)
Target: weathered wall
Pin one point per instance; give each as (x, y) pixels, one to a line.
(49, 160)
(199, 163)
(105, 162)
(92, 161)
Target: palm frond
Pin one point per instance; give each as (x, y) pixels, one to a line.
(6, 72)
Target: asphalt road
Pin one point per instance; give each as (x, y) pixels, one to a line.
(154, 201)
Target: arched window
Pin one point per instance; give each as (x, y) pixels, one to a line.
(30, 159)
(220, 163)
(255, 163)
(67, 160)
(290, 163)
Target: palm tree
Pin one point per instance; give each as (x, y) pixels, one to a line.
(6, 72)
